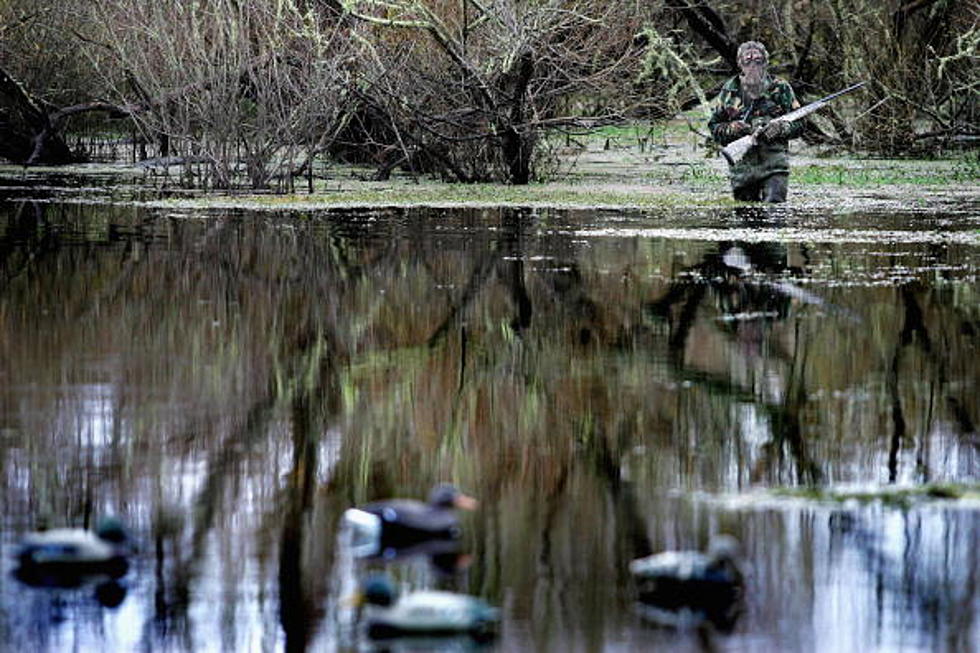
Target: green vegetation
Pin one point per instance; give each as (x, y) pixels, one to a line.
(436, 194)
(639, 134)
(859, 175)
(544, 194)
(897, 496)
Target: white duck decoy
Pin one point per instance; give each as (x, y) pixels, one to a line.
(424, 612)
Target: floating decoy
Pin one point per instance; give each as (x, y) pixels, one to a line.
(71, 558)
(383, 527)
(75, 548)
(689, 586)
(428, 612)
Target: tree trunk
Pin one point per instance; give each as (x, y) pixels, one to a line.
(27, 134)
(707, 23)
(518, 143)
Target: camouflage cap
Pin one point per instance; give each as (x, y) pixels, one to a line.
(751, 45)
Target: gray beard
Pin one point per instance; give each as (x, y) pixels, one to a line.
(753, 83)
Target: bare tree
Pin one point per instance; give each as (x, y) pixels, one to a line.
(920, 56)
(42, 80)
(244, 85)
(468, 90)
(465, 89)
(925, 92)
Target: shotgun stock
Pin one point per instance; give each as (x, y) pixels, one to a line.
(734, 151)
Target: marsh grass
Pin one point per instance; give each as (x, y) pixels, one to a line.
(897, 496)
(435, 194)
(887, 173)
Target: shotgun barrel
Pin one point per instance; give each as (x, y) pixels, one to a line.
(734, 151)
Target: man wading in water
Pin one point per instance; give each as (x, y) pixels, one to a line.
(748, 102)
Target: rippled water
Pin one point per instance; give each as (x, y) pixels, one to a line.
(608, 384)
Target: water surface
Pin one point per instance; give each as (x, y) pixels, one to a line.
(609, 384)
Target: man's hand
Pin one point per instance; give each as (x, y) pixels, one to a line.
(776, 130)
(738, 128)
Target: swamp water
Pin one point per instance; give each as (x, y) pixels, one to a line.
(608, 384)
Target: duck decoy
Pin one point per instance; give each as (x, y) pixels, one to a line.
(427, 612)
(383, 527)
(76, 550)
(685, 587)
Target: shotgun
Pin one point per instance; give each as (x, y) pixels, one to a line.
(734, 151)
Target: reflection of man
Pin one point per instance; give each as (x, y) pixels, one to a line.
(747, 102)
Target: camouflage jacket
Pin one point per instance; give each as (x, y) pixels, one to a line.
(777, 100)
(765, 159)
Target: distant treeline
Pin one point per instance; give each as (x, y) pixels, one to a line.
(255, 91)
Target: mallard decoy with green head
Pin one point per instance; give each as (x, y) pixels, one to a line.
(427, 612)
(399, 523)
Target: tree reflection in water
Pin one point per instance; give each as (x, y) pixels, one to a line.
(231, 384)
